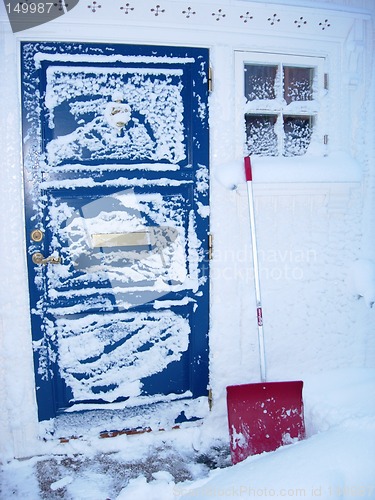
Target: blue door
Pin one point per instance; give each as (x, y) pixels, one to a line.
(116, 192)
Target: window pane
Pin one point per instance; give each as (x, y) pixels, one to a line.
(260, 82)
(298, 131)
(298, 84)
(261, 138)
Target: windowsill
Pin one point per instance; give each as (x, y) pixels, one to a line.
(337, 167)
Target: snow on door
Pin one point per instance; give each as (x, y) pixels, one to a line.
(116, 190)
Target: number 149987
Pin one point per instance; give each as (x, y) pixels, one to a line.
(30, 8)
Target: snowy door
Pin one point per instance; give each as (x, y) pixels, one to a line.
(116, 189)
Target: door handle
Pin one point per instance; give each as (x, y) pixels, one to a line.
(38, 258)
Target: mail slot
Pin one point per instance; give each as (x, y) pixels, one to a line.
(130, 239)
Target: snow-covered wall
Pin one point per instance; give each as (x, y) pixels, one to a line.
(315, 215)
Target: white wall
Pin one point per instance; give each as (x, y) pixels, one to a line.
(310, 232)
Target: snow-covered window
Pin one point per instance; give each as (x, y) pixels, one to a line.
(282, 95)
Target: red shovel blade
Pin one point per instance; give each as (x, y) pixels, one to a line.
(263, 417)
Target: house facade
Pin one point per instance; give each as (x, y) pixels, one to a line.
(128, 297)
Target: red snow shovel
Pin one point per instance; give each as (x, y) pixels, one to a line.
(266, 415)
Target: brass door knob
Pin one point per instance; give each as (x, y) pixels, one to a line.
(38, 258)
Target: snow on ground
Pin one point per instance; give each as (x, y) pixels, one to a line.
(337, 460)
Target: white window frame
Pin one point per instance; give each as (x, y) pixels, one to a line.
(315, 108)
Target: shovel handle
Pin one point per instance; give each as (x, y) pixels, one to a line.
(248, 172)
(262, 351)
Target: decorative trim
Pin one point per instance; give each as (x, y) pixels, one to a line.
(273, 19)
(127, 8)
(94, 6)
(60, 4)
(324, 25)
(219, 15)
(157, 11)
(246, 17)
(285, 19)
(300, 22)
(188, 12)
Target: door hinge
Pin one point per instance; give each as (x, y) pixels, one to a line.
(210, 246)
(210, 399)
(326, 81)
(210, 79)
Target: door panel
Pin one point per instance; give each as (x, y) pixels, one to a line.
(83, 103)
(116, 185)
(108, 357)
(130, 245)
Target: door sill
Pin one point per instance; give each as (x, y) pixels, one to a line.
(105, 423)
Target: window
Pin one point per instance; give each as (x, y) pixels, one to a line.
(281, 103)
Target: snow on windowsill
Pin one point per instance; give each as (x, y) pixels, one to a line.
(338, 167)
